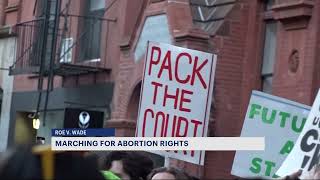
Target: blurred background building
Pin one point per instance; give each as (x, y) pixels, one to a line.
(89, 54)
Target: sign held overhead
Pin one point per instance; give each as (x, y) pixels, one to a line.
(277, 119)
(176, 95)
(305, 154)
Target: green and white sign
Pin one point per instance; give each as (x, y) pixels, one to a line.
(277, 119)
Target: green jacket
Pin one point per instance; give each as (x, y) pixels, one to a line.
(108, 175)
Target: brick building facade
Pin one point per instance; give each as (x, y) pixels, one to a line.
(264, 45)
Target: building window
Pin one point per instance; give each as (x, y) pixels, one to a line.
(53, 7)
(66, 50)
(92, 25)
(269, 4)
(269, 47)
(155, 29)
(269, 55)
(44, 9)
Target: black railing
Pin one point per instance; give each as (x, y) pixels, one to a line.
(78, 45)
(28, 46)
(82, 35)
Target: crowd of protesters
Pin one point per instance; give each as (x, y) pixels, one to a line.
(39, 162)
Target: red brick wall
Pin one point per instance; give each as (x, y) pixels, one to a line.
(12, 13)
(239, 66)
(3, 5)
(299, 86)
(316, 66)
(237, 73)
(130, 73)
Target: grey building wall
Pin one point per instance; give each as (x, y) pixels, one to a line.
(7, 57)
(54, 119)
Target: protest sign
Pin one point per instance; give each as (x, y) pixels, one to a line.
(176, 96)
(277, 119)
(306, 152)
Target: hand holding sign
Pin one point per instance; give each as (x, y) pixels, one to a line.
(313, 174)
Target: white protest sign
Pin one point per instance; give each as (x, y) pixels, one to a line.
(277, 119)
(176, 96)
(306, 152)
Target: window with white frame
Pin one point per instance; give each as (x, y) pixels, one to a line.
(154, 29)
(66, 50)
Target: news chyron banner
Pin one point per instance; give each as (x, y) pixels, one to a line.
(176, 96)
(280, 121)
(306, 153)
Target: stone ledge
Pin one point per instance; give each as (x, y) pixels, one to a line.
(6, 31)
(11, 8)
(293, 4)
(120, 123)
(294, 15)
(156, 1)
(268, 15)
(125, 44)
(195, 34)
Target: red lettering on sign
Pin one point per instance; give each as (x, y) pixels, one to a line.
(196, 71)
(154, 61)
(174, 126)
(145, 120)
(185, 130)
(163, 118)
(169, 96)
(166, 64)
(185, 152)
(196, 124)
(192, 153)
(179, 126)
(156, 85)
(186, 80)
(164, 133)
(185, 100)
